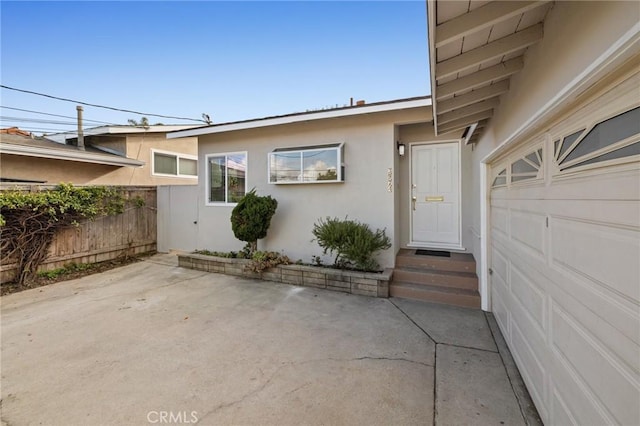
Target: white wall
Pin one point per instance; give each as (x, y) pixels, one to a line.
(575, 35)
(369, 152)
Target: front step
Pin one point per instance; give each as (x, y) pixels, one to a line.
(436, 294)
(449, 280)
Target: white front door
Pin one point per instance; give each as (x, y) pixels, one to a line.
(435, 195)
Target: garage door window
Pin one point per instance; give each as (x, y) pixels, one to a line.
(501, 179)
(527, 167)
(615, 138)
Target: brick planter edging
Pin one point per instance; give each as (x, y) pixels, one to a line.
(353, 282)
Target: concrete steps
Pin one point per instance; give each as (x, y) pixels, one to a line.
(449, 280)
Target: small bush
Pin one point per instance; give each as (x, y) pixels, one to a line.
(263, 260)
(251, 218)
(353, 243)
(65, 270)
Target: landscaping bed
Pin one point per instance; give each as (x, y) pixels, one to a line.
(375, 284)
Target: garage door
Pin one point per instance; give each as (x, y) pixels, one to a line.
(565, 260)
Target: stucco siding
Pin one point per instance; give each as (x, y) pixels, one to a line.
(369, 152)
(52, 171)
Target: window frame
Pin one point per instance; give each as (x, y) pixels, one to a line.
(178, 156)
(338, 147)
(207, 178)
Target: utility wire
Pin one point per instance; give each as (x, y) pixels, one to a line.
(54, 115)
(36, 120)
(99, 106)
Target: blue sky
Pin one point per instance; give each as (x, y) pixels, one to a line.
(232, 60)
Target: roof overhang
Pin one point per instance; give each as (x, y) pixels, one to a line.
(474, 49)
(305, 117)
(120, 130)
(69, 155)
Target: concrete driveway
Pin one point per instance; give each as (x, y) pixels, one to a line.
(152, 343)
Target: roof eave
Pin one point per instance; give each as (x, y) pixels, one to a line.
(431, 26)
(84, 157)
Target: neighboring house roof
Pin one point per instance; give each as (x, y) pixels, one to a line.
(15, 131)
(474, 48)
(18, 144)
(421, 101)
(120, 130)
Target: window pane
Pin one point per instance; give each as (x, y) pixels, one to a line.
(627, 151)
(188, 167)
(217, 171)
(320, 165)
(607, 133)
(165, 164)
(522, 166)
(236, 169)
(285, 167)
(500, 180)
(566, 142)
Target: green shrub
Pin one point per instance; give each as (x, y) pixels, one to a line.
(29, 220)
(263, 260)
(353, 243)
(251, 218)
(65, 270)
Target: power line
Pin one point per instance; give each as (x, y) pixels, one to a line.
(36, 120)
(99, 106)
(54, 115)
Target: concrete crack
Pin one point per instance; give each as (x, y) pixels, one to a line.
(292, 363)
(413, 322)
(383, 359)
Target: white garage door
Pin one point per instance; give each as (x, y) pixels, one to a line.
(565, 260)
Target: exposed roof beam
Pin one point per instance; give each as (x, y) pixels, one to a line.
(464, 122)
(482, 124)
(479, 95)
(473, 139)
(481, 18)
(468, 111)
(480, 78)
(494, 50)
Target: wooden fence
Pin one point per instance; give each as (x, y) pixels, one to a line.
(105, 238)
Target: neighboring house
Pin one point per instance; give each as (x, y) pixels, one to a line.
(527, 156)
(165, 162)
(28, 159)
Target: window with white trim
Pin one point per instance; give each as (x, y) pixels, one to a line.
(311, 164)
(173, 164)
(226, 177)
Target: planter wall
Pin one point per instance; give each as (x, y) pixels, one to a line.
(353, 282)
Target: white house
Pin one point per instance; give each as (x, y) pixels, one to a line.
(526, 156)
